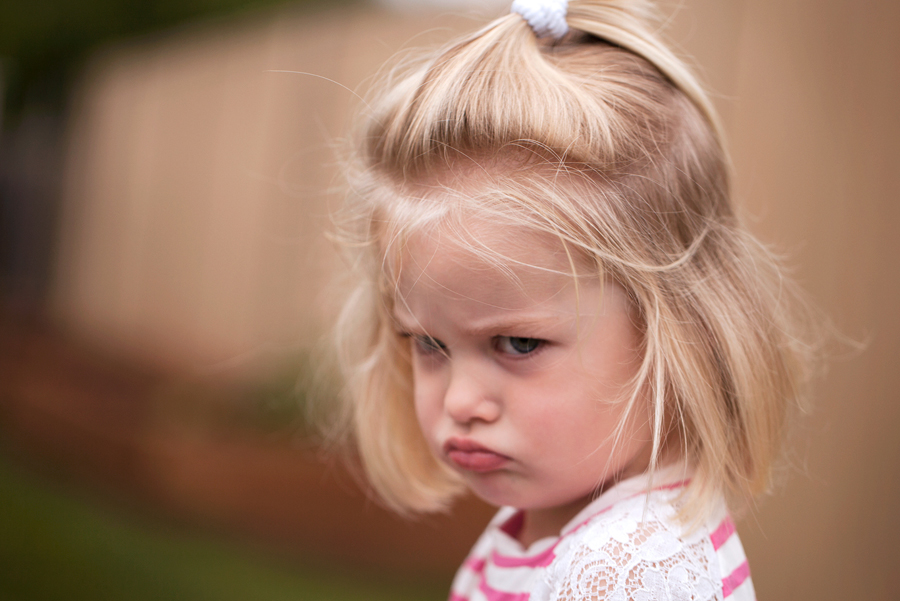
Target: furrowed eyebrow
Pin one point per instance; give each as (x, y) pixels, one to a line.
(515, 324)
(532, 323)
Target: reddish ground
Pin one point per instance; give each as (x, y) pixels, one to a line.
(94, 420)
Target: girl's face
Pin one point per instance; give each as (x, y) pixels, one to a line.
(521, 377)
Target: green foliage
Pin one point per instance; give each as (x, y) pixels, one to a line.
(54, 546)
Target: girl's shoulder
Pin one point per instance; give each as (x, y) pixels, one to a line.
(637, 549)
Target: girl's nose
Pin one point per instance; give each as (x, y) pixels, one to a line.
(469, 396)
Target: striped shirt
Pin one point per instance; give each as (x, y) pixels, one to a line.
(627, 544)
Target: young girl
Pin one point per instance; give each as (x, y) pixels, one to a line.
(558, 309)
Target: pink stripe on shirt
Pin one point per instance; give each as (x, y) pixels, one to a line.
(495, 595)
(475, 564)
(721, 534)
(735, 579)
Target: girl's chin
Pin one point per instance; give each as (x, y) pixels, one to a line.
(493, 490)
(497, 490)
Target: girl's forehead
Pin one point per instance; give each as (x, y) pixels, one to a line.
(481, 243)
(477, 218)
(498, 256)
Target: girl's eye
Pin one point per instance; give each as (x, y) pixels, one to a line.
(426, 345)
(514, 345)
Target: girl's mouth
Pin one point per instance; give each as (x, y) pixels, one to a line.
(473, 457)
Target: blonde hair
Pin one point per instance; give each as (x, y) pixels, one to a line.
(645, 198)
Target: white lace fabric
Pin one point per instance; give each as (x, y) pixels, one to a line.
(625, 546)
(635, 553)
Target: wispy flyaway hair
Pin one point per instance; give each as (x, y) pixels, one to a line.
(606, 141)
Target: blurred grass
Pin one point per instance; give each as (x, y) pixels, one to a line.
(54, 545)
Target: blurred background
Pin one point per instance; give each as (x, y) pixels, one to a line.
(166, 173)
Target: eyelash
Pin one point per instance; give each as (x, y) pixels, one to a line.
(426, 345)
(531, 344)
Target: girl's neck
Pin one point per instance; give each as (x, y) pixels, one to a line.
(549, 522)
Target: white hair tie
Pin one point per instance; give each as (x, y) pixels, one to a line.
(546, 17)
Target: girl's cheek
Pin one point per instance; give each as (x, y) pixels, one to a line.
(427, 404)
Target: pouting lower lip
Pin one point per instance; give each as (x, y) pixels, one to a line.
(473, 457)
